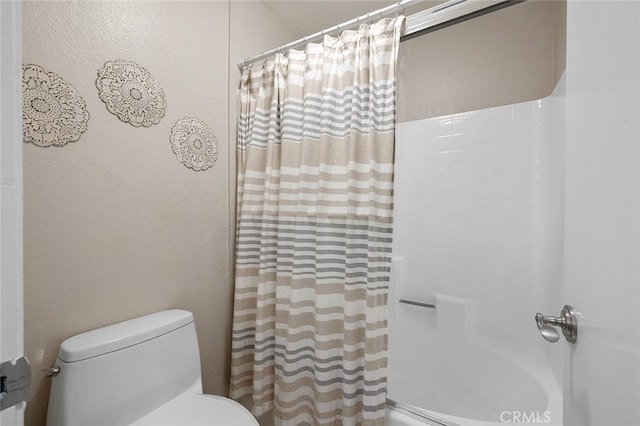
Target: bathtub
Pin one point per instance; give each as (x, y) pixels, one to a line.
(470, 382)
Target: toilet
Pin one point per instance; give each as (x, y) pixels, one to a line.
(141, 372)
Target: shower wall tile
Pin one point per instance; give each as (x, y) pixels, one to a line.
(466, 198)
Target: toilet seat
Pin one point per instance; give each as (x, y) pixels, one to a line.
(191, 409)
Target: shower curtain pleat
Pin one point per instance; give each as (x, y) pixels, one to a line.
(314, 227)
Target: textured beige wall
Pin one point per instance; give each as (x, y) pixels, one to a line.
(115, 227)
(512, 55)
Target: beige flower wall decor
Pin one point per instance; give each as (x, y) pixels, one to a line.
(53, 114)
(194, 143)
(131, 93)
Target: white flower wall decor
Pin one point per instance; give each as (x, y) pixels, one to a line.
(52, 111)
(131, 93)
(194, 143)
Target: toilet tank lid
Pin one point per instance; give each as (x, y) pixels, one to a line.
(122, 335)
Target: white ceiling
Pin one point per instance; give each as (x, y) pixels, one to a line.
(309, 16)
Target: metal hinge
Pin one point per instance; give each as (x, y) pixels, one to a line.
(15, 381)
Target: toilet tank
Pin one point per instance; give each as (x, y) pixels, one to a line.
(114, 375)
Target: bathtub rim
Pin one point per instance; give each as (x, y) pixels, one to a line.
(531, 361)
(417, 413)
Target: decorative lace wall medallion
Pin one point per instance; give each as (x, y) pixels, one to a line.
(131, 93)
(194, 143)
(52, 111)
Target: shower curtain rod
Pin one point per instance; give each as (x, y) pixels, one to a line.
(428, 20)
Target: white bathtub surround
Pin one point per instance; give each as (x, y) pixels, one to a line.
(455, 315)
(466, 190)
(476, 198)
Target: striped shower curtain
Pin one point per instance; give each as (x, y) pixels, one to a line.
(314, 227)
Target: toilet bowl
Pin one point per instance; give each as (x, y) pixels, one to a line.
(141, 372)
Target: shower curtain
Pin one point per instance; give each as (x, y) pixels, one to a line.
(314, 226)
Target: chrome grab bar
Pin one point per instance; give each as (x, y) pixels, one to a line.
(422, 304)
